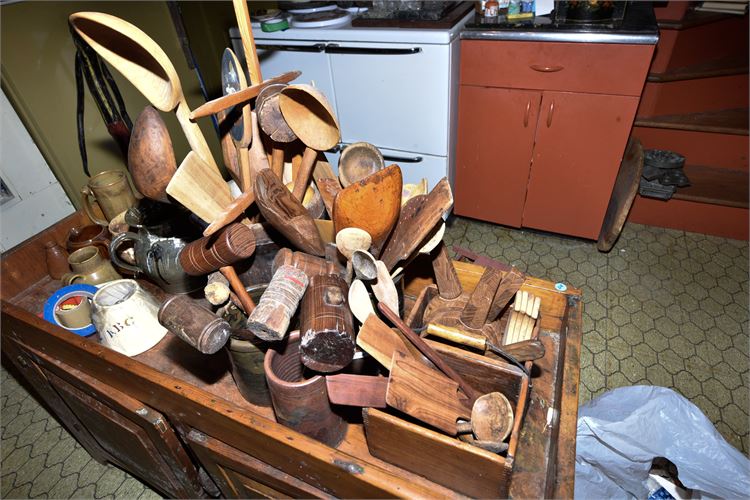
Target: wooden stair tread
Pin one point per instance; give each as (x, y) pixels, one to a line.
(691, 19)
(727, 121)
(717, 186)
(735, 65)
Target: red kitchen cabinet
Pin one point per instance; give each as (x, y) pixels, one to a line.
(542, 128)
(580, 140)
(495, 141)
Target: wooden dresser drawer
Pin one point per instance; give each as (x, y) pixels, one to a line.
(576, 67)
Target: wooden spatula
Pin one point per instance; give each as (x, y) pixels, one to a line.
(286, 214)
(200, 188)
(418, 218)
(372, 204)
(381, 342)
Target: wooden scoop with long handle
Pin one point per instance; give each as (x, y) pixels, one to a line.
(140, 59)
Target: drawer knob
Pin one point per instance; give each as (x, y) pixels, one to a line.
(546, 69)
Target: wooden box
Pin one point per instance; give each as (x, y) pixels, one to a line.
(193, 394)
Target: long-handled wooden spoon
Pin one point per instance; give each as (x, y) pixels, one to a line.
(311, 117)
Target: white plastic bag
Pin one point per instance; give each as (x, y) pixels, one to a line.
(623, 430)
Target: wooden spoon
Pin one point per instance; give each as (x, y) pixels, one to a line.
(286, 214)
(384, 288)
(311, 117)
(248, 41)
(491, 420)
(372, 204)
(243, 96)
(134, 54)
(426, 249)
(359, 301)
(273, 124)
(365, 265)
(151, 156)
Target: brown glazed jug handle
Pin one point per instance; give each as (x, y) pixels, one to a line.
(85, 200)
(113, 250)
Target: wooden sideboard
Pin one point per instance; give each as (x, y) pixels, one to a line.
(174, 418)
(542, 127)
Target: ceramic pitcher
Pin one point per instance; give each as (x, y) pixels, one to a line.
(90, 267)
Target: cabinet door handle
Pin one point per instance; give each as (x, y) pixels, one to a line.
(318, 47)
(546, 69)
(403, 159)
(550, 113)
(334, 48)
(526, 115)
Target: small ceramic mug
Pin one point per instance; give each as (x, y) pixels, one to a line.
(112, 192)
(125, 315)
(90, 267)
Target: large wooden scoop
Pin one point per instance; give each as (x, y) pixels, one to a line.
(140, 59)
(418, 218)
(286, 214)
(372, 204)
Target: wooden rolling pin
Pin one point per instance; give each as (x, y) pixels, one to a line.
(308, 264)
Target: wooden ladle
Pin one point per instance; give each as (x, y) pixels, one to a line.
(491, 422)
(140, 59)
(312, 119)
(150, 155)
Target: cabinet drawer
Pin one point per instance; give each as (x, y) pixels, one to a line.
(576, 67)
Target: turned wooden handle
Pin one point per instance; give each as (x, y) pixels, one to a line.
(234, 281)
(457, 336)
(429, 352)
(304, 173)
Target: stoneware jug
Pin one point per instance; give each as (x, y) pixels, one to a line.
(161, 236)
(86, 236)
(90, 267)
(125, 316)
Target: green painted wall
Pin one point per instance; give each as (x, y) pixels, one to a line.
(37, 68)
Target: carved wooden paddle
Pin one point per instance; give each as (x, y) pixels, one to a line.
(418, 218)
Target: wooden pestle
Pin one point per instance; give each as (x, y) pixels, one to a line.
(326, 324)
(194, 324)
(270, 319)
